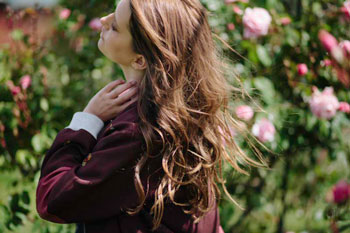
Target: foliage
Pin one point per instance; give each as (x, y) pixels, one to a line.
(311, 153)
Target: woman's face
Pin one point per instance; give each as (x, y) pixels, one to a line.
(116, 41)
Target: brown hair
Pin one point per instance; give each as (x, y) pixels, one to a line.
(184, 98)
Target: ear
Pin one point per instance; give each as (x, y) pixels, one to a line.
(139, 63)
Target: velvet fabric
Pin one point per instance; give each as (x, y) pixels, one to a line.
(90, 182)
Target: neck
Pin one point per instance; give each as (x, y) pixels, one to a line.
(131, 74)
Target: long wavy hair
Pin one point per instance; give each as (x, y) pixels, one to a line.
(184, 99)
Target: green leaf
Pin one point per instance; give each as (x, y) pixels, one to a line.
(263, 55)
(292, 37)
(266, 88)
(324, 127)
(305, 38)
(44, 104)
(311, 121)
(38, 143)
(21, 156)
(317, 9)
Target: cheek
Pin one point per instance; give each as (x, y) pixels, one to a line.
(118, 49)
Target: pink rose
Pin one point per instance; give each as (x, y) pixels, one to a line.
(346, 9)
(302, 69)
(285, 21)
(327, 40)
(264, 130)
(326, 62)
(343, 76)
(344, 107)
(341, 192)
(345, 45)
(230, 26)
(15, 90)
(95, 24)
(323, 104)
(244, 112)
(25, 81)
(256, 22)
(237, 10)
(65, 13)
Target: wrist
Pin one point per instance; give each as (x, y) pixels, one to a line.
(86, 110)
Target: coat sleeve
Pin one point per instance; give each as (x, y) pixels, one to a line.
(84, 180)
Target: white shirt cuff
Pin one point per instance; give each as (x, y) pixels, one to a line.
(90, 122)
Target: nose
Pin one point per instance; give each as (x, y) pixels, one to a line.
(105, 20)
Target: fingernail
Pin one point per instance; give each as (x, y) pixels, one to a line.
(133, 82)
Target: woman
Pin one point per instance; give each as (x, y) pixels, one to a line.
(148, 160)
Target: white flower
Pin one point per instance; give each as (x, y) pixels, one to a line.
(256, 22)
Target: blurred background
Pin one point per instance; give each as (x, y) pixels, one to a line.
(291, 56)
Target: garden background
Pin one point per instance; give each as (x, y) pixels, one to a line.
(292, 57)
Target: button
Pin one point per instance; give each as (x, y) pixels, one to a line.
(111, 127)
(68, 141)
(120, 170)
(86, 159)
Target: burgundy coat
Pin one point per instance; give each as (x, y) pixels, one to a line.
(88, 179)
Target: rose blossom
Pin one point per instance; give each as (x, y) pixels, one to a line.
(65, 13)
(323, 104)
(302, 69)
(326, 62)
(237, 10)
(327, 40)
(230, 26)
(244, 112)
(345, 45)
(344, 107)
(256, 22)
(346, 9)
(341, 191)
(264, 130)
(285, 21)
(95, 24)
(15, 90)
(25, 81)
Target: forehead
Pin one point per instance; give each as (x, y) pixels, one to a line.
(122, 12)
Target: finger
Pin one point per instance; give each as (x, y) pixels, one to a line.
(122, 107)
(130, 101)
(127, 95)
(112, 85)
(120, 89)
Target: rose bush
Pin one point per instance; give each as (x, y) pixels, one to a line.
(292, 59)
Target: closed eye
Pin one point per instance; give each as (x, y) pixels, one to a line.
(113, 27)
